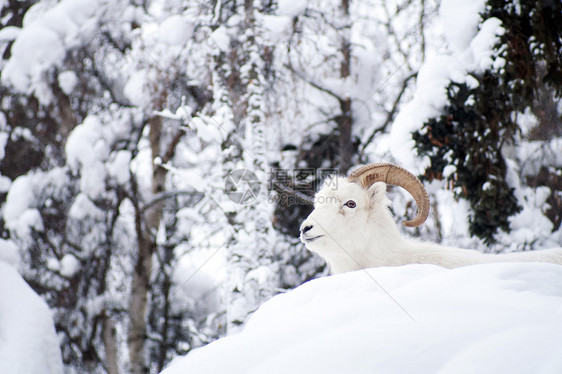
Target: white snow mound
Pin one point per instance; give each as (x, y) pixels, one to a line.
(493, 318)
(28, 341)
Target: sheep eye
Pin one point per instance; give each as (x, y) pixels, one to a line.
(350, 204)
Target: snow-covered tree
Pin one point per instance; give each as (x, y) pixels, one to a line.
(506, 101)
(153, 154)
(91, 213)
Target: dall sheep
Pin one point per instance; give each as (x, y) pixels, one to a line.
(352, 228)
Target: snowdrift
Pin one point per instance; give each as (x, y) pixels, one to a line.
(493, 318)
(28, 341)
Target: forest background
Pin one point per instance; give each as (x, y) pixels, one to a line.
(154, 154)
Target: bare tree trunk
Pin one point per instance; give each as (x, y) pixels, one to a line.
(138, 302)
(63, 110)
(110, 346)
(146, 227)
(346, 146)
(422, 29)
(345, 120)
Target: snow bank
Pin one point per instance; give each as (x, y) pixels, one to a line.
(494, 318)
(28, 341)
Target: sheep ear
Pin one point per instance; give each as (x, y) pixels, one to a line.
(377, 192)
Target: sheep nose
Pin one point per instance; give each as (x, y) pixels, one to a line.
(306, 228)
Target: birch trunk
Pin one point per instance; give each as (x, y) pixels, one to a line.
(146, 227)
(345, 121)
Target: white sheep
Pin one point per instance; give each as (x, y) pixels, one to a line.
(352, 228)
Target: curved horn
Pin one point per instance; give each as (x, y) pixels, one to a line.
(396, 175)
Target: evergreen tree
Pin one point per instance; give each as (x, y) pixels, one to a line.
(479, 121)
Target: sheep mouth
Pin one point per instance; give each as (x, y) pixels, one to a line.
(309, 240)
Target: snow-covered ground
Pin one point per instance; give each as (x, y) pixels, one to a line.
(494, 318)
(28, 341)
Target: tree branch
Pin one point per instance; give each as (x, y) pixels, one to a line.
(285, 189)
(167, 195)
(392, 113)
(314, 84)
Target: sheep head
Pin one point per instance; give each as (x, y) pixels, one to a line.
(351, 214)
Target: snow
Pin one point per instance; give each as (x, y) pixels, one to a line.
(4, 136)
(28, 341)
(118, 168)
(453, 214)
(9, 33)
(69, 265)
(67, 81)
(534, 202)
(20, 211)
(135, 88)
(172, 45)
(494, 318)
(79, 149)
(195, 286)
(9, 252)
(470, 49)
(83, 207)
(220, 38)
(92, 181)
(36, 49)
(175, 30)
(291, 8)
(481, 47)
(86, 149)
(208, 131)
(29, 219)
(449, 170)
(460, 20)
(19, 216)
(43, 42)
(5, 184)
(429, 99)
(277, 28)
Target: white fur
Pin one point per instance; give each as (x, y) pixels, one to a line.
(366, 236)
